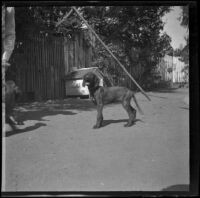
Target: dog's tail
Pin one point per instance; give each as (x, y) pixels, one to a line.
(138, 107)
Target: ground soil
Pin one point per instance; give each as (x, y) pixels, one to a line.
(58, 150)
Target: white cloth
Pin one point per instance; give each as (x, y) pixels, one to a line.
(8, 32)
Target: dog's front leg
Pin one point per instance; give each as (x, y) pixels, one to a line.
(99, 116)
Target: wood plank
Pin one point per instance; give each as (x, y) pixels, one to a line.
(81, 50)
(62, 69)
(48, 70)
(38, 58)
(56, 58)
(44, 66)
(66, 55)
(47, 67)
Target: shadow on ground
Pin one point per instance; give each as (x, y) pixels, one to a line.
(39, 114)
(151, 95)
(178, 187)
(66, 104)
(38, 110)
(171, 90)
(165, 90)
(107, 122)
(27, 129)
(186, 108)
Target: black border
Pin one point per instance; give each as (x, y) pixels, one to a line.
(97, 3)
(194, 100)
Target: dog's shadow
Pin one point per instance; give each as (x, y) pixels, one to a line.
(107, 122)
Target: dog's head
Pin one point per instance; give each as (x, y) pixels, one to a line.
(90, 80)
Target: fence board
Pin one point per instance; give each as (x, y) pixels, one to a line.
(44, 62)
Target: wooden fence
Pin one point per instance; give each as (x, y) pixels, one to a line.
(77, 53)
(171, 69)
(165, 68)
(39, 64)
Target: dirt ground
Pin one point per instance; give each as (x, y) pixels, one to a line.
(58, 150)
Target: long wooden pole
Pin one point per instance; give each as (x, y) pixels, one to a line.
(64, 18)
(111, 53)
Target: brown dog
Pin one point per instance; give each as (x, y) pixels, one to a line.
(11, 91)
(105, 95)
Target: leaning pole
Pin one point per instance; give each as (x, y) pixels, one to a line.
(91, 29)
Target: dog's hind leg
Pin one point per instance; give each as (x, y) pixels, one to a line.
(131, 112)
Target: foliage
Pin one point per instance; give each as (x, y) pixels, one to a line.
(184, 18)
(38, 18)
(184, 53)
(177, 52)
(131, 32)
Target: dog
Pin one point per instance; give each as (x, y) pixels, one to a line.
(105, 95)
(12, 91)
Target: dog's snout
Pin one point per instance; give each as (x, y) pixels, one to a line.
(87, 83)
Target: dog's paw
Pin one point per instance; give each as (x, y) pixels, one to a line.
(129, 124)
(96, 127)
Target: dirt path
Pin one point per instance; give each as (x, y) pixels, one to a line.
(57, 149)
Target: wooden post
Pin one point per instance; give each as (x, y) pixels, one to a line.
(111, 53)
(3, 130)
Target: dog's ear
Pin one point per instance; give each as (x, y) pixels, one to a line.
(84, 79)
(96, 81)
(83, 83)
